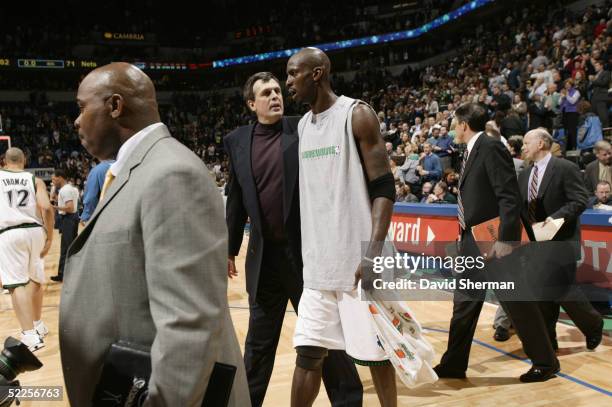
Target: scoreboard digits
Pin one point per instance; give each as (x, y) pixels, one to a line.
(40, 63)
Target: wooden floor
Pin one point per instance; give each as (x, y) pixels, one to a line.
(586, 378)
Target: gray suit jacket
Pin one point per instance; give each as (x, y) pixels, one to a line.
(150, 268)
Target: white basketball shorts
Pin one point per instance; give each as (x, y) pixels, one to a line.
(20, 259)
(338, 320)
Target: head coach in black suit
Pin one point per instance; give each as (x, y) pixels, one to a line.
(488, 189)
(553, 188)
(264, 187)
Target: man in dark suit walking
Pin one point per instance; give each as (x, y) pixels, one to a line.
(263, 186)
(488, 189)
(552, 188)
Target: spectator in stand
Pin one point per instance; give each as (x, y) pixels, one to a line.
(600, 83)
(515, 146)
(441, 195)
(408, 173)
(430, 168)
(403, 194)
(538, 114)
(569, 110)
(426, 191)
(441, 145)
(600, 169)
(602, 198)
(589, 128)
(512, 125)
(500, 101)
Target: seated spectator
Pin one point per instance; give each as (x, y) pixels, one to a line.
(403, 194)
(441, 194)
(602, 198)
(389, 149)
(430, 168)
(600, 169)
(451, 178)
(589, 128)
(426, 191)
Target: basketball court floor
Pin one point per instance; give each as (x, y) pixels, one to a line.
(585, 378)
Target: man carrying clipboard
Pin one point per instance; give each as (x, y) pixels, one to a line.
(554, 196)
(488, 189)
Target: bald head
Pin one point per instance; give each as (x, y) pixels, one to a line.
(308, 76)
(115, 101)
(313, 58)
(126, 80)
(15, 158)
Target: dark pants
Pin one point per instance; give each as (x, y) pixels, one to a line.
(600, 107)
(280, 281)
(570, 124)
(69, 229)
(526, 316)
(558, 264)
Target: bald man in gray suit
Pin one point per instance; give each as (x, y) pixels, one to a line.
(150, 266)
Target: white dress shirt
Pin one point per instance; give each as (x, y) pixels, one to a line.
(130, 145)
(541, 164)
(470, 144)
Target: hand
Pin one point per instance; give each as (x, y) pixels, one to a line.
(549, 219)
(364, 273)
(46, 248)
(500, 249)
(231, 267)
(431, 198)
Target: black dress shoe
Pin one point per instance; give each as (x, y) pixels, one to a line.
(536, 374)
(593, 341)
(444, 373)
(501, 334)
(58, 278)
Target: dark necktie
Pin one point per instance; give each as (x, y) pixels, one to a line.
(533, 195)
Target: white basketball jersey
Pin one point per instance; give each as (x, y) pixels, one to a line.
(17, 199)
(335, 206)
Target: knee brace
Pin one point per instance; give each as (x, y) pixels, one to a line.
(310, 357)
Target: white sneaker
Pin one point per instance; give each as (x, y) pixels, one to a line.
(42, 329)
(32, 341)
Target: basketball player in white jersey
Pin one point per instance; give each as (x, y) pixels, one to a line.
(346, 198)
(26, 233)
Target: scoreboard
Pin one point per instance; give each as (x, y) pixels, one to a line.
(39, 63)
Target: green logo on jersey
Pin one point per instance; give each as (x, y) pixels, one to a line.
(321, 152)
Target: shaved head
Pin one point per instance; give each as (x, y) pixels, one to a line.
(313, 58)
(126, 80)
(116, 101)
(308, 74)
(15, 157)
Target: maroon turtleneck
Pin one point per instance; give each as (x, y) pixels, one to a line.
(267, 166)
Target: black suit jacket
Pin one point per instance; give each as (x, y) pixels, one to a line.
(243, 201)
(489, 188)
(600, 86)
(591, 176)
(562, 194)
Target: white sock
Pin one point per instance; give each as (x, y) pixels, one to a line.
(30, 332)
(36, 323)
